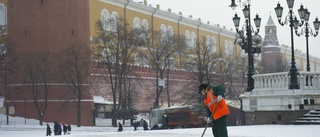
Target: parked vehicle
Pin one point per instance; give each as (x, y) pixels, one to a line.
(181, 116)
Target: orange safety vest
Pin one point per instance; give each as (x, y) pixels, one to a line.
(211, 101)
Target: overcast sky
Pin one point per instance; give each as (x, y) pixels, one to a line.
(219, 12)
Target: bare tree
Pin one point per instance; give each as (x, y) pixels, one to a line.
(279, 65)
(115, 45)
(75, 63)
(5, 63)
(204, 64)
(231, 72)
(39, 69)
(162, 48)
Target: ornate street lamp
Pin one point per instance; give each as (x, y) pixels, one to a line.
(306, 30)
(247, 42)
(290, 19)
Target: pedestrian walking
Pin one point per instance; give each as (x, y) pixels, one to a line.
(135, 125)
(48, 130)
(69, 129)
(56, 128)
(120, 127)
(65, 128)
(217, 109)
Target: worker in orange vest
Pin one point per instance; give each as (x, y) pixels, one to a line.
(217, 108)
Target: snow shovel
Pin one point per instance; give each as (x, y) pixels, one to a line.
(214, 110)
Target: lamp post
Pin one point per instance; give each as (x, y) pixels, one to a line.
(289, 19)
(306, 31)
(247, 43)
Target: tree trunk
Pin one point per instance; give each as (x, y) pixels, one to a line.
(79, 112)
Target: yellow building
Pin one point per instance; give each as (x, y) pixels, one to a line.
(140, 15)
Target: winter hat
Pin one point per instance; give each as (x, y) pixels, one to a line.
(202, 87)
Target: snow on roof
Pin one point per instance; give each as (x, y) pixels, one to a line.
(101, 100)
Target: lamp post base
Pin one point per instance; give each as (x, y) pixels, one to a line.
(294, 79)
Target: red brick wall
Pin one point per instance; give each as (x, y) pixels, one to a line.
(50, 25)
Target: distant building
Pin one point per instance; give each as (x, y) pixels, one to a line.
(36, 26)
(277, 58)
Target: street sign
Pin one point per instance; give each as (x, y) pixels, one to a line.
(161, 83)
(12, 110)
(2, 110)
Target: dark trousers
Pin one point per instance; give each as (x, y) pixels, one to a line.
(219, 127)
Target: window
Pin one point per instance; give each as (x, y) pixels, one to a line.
(191, 66)
(311, 101)
(213, 44)
(279, 117)
(187, 39)
(193, 40)
(136, 23)
(141, 59)
(171, 63)
(115, 20)
(145, 25)
(305, 102)
(108, 56)
(208, 45)
(2, 15)
(170, 31)
(231, 47)
(163, 32)
(105, 19)
(301, 106)
(228, 48)
(145, 28)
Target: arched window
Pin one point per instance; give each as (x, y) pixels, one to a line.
(231, 48)
(163, 32)
(213, 44)
(145, 25)
(115, 20)
(136, 23)
(145, 28)
(171, 63)
(208, 42)
(107, 55)
(141, 59)
(105, 19)
(193, 40)
(187, 39)
(170, 31)
(228, 47)
(2, 15)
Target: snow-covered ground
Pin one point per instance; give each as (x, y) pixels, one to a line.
(18, 128)
(234, 131)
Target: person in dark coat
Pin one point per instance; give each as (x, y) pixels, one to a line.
(145, 125)
(69, 129)
(56, 128)
(65, 128)
(135, 125)
(120, 127)
(59, 129)
(48, 130)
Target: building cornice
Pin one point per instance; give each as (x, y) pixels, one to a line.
(145, 9)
